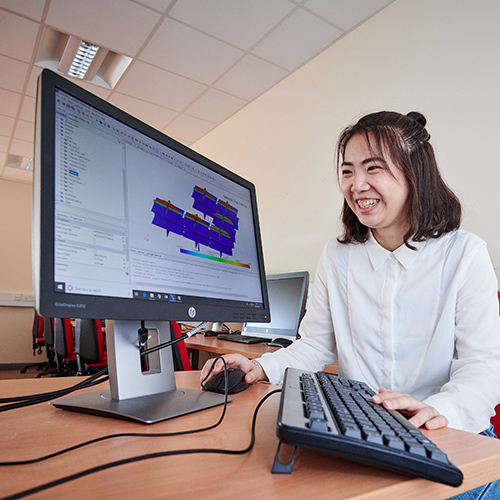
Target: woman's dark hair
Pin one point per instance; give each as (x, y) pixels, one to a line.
(432, 207)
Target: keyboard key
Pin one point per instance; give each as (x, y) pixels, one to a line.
(417, 449)
(373, 437)
(394, 443)
(318, 425)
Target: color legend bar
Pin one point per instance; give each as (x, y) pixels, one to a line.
(217, 259)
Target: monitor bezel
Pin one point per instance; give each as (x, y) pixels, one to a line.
(50, 303)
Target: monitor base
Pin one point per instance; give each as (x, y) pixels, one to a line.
(145, 409)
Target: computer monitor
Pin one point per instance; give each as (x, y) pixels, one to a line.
(287, 300)
(130, 225)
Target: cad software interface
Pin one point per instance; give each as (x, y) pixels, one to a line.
(136, 219)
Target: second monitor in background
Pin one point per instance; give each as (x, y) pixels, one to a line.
(287, 301)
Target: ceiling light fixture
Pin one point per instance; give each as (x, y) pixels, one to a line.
(82, 60)
(87, 61)
(21, 162)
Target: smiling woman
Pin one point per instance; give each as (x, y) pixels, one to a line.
(399, 146)
(404, 300)
(376, 191)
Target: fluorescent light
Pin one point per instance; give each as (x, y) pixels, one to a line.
(21, 162)
(83, 57)
(72, 56)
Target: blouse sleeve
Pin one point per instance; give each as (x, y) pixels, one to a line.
(473, 389)
(316, 346)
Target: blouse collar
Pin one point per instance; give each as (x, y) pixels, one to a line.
(404, 255)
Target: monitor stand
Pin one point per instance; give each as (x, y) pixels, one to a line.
(145, 396)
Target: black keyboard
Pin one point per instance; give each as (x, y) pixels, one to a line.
(244, 339)
(325, 412)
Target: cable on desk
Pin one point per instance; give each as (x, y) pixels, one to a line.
(23, 401)
(148, 456)
(15, 402)
(131, 434)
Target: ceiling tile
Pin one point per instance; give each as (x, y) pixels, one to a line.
(208, 59)
(239, 22)
(4, 143)
(215, 106)
(21, 148)
(9, 103)
(296, 40)
(24, 130)
(120, 25)
(13, 74)
(188, 129)
(158, 86)
(17, 174)
(250, 78)
(28, 109)
(188, 52)
(6, 125)
(17, 36)
(159, 5)
(154, 115)
(31, 87)
(346, 14)
(91, 87)
(29, 8)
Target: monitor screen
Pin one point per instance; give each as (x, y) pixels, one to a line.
(133, 225)
(287, 299)
(130, 225)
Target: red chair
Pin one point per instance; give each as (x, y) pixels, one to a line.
(38, 342)
(179, 350)
(90, 345)
(64, 346)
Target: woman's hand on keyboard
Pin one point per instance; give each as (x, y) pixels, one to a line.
(252, 368)
(418, 412)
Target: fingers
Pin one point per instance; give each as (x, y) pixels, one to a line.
(255, 373)
(429, 417)
(418, 412)
(435, 423)
(252, 369)
(214, 366)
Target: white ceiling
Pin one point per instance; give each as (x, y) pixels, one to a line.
(194, 62)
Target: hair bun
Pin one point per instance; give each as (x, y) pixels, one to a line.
(418, 117)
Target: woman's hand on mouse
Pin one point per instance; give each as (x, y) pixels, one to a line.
(253, 370)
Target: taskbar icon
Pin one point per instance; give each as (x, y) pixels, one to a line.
(157, 296)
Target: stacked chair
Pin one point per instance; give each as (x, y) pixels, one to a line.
(90, 346)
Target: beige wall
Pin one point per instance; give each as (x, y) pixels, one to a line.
(436, 56)
(15, 271)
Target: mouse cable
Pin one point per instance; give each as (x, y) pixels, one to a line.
(139, 458)
(15, 402)
(130, 434)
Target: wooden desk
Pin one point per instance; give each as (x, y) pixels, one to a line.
(213, 344)
(41, 429)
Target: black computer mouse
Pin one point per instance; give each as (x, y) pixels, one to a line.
(235, 382)
(279, 342)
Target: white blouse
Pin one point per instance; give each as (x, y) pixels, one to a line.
(425, 322)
